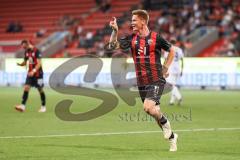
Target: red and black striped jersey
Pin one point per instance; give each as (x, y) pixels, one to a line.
(146, 52)
(32, 55)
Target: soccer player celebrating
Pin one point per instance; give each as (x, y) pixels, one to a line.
(146, 48)
(175, 72)
(34, 75)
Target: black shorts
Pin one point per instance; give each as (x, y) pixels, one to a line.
(152, 91)
(34, 81)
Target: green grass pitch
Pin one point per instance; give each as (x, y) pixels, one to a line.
(200, 110)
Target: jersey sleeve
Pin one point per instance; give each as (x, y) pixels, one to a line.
(38, 54)
(163, 44)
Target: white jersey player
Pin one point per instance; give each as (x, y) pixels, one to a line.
(175, 72)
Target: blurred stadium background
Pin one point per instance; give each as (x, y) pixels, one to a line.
(207, 31)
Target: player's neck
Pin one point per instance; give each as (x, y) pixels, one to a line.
(144, 32)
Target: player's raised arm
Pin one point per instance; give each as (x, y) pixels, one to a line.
(113, 43)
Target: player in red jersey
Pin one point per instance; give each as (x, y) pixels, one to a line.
(146, 48)
(34, 75)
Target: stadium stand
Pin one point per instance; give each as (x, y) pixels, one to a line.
(193, 15)
(33, 15)
(38, 19)
(184, 17)
(96, 31)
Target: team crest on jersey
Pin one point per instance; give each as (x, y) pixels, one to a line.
(150, 41)
(33, 54)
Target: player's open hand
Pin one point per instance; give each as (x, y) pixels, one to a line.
(113, 24)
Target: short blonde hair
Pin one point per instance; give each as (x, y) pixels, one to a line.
(142, 14)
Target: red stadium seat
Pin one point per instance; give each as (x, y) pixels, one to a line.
(37, 14)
